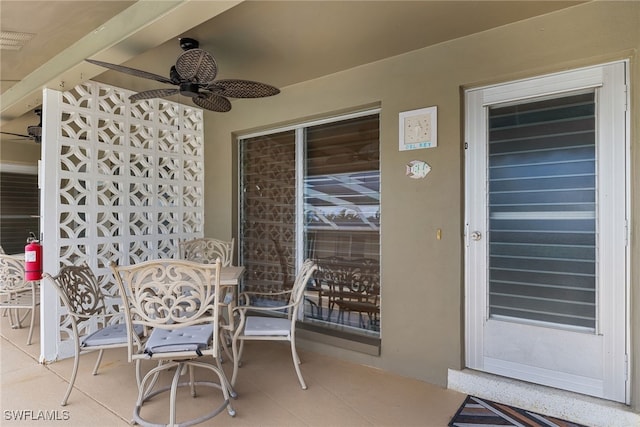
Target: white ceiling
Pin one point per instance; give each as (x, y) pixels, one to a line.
(276, 42)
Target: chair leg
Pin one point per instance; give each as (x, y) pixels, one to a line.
(33, 319)
(20, 320)
(224, 333)
(72, 380)
(138, 373)
(296, 364)
(98, 361)
(218, 360)
(237, 357)
(224, 386)
(174, 392)
(145, 391)
(236, 360)
(14, 318)
(192, 381)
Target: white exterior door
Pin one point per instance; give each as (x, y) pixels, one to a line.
(546, 232)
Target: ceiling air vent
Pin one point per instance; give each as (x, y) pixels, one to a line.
(12, 40)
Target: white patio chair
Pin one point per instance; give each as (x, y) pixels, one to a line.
(269, 326)
(17, 294)
(179, 302)
(207, 250)
(78, 288)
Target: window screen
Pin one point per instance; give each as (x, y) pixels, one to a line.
(19, 210)
(542, 211)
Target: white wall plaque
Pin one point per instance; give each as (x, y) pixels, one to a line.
(418, 129)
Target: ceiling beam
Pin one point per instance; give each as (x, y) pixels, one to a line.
(143, 26)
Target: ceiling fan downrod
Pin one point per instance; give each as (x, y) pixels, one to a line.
(187, 44)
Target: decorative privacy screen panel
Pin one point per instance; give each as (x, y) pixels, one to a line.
(123, 181)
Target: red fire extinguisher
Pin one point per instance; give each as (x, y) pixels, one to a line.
(32, 259)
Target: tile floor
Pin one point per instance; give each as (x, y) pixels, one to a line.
(339, 393)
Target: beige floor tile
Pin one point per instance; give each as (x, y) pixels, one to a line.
(340, 394)
(31, 395)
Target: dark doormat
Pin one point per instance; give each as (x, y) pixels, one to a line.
(481, 412)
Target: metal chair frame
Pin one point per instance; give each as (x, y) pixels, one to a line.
(17, 294)
(83, 299)
(270, 328)
(178, 301)
(207, 250)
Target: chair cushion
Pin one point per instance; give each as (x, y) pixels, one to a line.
(189, 338)
(112, 334)
(271, 326)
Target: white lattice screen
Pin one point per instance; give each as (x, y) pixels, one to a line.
(122, 182)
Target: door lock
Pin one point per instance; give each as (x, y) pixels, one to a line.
(476, 235)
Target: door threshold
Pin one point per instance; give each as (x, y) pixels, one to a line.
(587, 410)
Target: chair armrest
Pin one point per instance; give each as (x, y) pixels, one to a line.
(266, 293)
(245, 308)
(246, 296)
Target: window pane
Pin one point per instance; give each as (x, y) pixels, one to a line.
(342, 222)
(542, 211)
(268, 206)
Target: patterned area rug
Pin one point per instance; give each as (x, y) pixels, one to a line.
(485, 413)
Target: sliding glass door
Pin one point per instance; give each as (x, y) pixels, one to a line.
(313, 191)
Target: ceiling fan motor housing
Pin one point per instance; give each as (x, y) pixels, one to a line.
(189, 89)
(35, 131)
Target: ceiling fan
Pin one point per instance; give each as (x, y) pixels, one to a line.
(194, 75)
(34, 132)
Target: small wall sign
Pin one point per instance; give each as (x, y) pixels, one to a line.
(418, 129)
(417, 169)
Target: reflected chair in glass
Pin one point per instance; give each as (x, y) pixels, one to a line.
(178, 301)
(17, 294)
(269, 325)
(84, 301)
(207, 250)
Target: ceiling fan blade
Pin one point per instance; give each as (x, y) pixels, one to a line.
(242, 89)
(131, 71)
(16, 134)
(153, 93)
(213, 102)
(197, 65)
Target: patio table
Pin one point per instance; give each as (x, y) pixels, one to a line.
(230, 276)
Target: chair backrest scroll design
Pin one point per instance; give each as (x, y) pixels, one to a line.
(12, 274)
(206, 250)
(170, 294)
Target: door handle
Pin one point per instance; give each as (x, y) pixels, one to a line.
(476, 235)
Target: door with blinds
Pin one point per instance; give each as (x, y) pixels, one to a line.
(546, 210)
